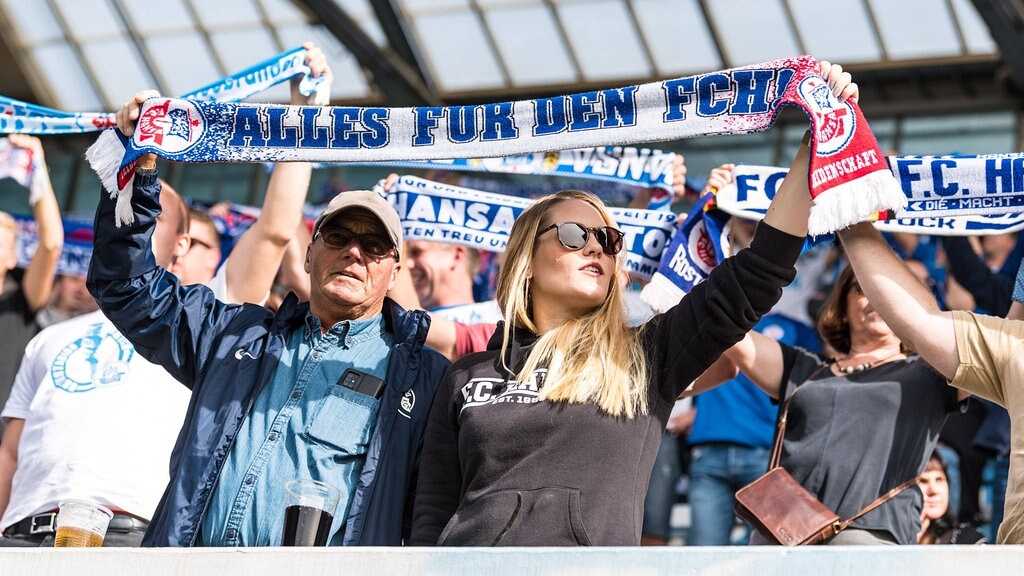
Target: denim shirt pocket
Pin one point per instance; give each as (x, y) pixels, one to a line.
(343, 421)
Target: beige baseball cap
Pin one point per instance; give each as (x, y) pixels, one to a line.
(371, 202)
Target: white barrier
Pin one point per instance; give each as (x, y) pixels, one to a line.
(677, 561)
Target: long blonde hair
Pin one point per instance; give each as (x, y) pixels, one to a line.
(595, 357)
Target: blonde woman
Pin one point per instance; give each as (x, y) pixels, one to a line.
(548, 438)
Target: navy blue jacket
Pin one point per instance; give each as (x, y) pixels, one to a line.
(225, 354)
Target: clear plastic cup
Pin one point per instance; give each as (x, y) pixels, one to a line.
(309, 512)
(81, 524)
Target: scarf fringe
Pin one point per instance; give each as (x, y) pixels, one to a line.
(104, 156)
(661, 294)
(855, 201)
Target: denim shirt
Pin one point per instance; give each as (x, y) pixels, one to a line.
(303, 424)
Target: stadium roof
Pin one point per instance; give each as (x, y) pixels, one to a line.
(89, 55)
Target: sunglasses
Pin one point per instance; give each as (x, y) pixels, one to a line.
(203, 243)
(373, 245)
(575, 236)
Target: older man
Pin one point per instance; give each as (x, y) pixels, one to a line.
(335, 390)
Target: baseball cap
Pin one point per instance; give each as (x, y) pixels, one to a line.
(371, 202)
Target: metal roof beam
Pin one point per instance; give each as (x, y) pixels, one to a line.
(1005, 21)
(400, 83)
(399, 38)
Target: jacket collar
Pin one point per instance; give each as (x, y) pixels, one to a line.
(406, 326)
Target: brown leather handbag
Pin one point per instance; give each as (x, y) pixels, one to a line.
(783, 511)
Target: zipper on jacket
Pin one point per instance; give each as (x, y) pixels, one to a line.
(385, 435)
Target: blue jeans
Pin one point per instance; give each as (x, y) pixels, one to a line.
(661, 491)
(1001, 472)
(717, 471)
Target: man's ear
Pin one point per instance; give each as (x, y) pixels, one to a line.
(307, 265)
(181, 246)
(459, 256)
(394, 274)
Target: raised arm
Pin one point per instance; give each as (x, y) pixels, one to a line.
(168, 324)
(255, 259)
(719, 312)
(37, 283)
(293, 275)
(9, 459)
(906, 305)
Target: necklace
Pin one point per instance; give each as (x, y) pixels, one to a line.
(854, 368)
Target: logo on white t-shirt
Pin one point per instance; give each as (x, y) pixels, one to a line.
(98, 359)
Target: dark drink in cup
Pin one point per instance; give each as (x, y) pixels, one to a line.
(306, 526)
(309, 512)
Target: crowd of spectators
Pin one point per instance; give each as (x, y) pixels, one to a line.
(176, 308)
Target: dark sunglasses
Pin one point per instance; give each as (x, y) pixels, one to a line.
(373, 245)
(575, 236)
(198, 242)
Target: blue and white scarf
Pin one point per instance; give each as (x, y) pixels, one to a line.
(20, 165)
(734, 101)
(700, 244)
(25, 118)
(640, 167)
(946, 195)
(482, 220)
(74, 255)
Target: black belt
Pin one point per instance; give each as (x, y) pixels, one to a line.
(42, 524)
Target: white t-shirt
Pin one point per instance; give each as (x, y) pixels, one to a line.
(219, 285)
(475, 313)
(100, 421)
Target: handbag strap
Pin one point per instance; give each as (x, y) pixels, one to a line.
(878, 502)
(780, 425)
(780, 433)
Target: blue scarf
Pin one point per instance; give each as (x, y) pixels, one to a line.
(640, 167)
(855, 183)
(74, 255)
(482, 220)
(25, 118)
(946, 195)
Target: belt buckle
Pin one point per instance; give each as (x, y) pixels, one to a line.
(42, 524)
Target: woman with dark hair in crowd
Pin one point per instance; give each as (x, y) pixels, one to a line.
(938, 524)
(864, 422)
(548, 438)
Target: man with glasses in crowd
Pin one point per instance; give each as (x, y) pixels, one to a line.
(335, 390)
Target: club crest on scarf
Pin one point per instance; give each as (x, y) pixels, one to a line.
(702, 248)
(178, 122)
(835, 121)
